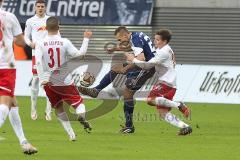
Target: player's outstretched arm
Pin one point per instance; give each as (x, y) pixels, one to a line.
(141, 63)
(73, 51)
(87, 35)
(158, 59)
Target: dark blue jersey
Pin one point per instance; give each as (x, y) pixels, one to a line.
(142, 43)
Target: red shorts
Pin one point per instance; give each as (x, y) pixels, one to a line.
(7, 82)
(162, 90)
(58, 94)
(34, 67)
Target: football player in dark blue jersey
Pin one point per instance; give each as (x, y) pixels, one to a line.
(144, 50)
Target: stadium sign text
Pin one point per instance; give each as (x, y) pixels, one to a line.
(71, 8)
(114, 12)
(220, 83)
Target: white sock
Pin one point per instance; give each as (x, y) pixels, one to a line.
(161, 101)
(16, 123)
(80, 110)
(48, 106)
(4, 110)
(62, 117)
(34, 92)
(173, 120)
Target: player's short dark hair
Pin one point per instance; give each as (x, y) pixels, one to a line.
(165, 34)
(40, 1)
(52, 24)
(120, 29)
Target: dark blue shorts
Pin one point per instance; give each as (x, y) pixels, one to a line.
(136, 77)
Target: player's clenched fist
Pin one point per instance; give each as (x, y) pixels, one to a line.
(87, 34)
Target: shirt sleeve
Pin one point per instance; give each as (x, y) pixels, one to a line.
(16, 29)
(159, 58)
(145, 65)
(74, 52)
(27, 33)
(84, 47)
(71, 49)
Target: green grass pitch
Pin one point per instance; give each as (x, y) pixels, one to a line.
(216, 135)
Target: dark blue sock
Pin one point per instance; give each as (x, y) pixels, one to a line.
(107, 79)
(128, 112)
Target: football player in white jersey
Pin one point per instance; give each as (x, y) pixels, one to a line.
(35, 31)
(10, 28)
(51, 53)
(163, 91)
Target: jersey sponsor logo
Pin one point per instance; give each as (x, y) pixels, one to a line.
(42, 28)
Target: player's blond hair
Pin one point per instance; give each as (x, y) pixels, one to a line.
(52, 24)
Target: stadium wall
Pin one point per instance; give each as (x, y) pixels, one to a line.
(196, 83)
(208, 36)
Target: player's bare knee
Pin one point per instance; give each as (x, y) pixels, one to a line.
(14, 102)
(7, 100)
(150, 101)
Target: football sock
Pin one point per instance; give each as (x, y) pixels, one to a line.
(173, 120)
(80, 110)
(62, 117)
(16, 123)
(48, 107)
(34, 92)
(161, 101)
(128, 111)
(107, 79)
(4, 110)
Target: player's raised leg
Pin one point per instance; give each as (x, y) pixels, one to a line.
(173, 120)
(162, 95)
(106, 80)
(161, 101)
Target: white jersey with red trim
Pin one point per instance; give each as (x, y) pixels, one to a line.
(164, 62)
(52, 52)
(35, 29)
(9, 28)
